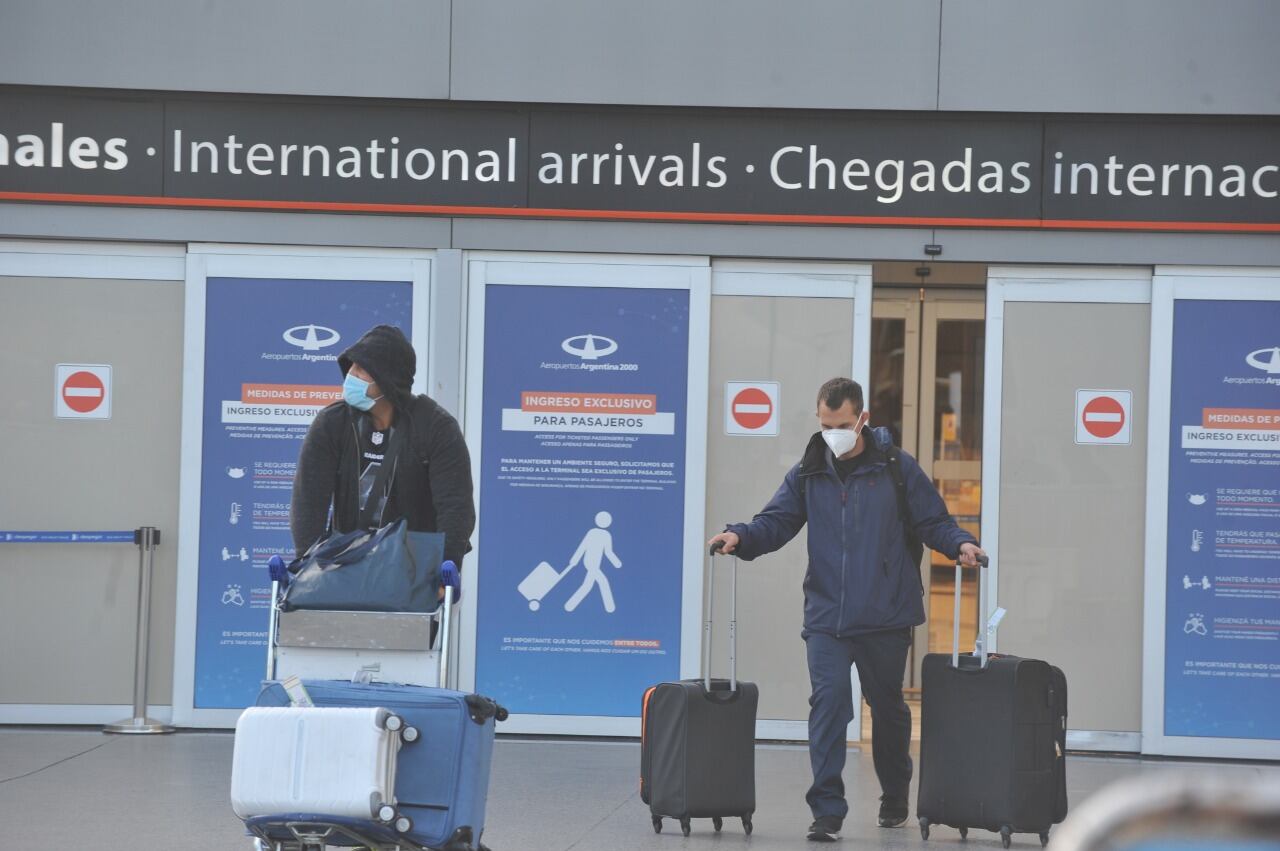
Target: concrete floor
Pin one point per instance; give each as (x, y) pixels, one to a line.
(70, 788)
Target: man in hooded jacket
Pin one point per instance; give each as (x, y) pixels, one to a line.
(862, 590)
(428, 481)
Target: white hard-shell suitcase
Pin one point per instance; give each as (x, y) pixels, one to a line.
(539, 583)
(336, 761)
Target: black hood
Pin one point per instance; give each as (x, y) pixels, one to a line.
(387, 355)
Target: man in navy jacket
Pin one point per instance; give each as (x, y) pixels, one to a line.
(862, 590)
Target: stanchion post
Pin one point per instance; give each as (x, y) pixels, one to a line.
(147, 538)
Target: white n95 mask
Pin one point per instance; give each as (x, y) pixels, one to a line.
(841, 440)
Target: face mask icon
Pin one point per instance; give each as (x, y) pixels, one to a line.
(1196, 498)
(235, 472)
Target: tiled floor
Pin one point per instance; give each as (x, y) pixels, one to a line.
(64, 788)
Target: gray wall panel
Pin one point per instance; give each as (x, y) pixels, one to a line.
(155, 225)
(394, 48)
(33, 221)
(1141, 56)
(1141, 249)
(68, 611)
(1072, 516)
(718, 240)
(837, 243)
(837, 54)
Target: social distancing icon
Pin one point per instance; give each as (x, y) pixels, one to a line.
(596, 546)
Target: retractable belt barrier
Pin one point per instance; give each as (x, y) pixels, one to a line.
(146, 539)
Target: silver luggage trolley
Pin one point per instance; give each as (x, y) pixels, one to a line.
(370, 646)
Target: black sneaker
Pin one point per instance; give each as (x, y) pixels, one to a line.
(825, 829)
(893, 811)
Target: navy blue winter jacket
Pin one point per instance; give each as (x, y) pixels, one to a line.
(860, 577)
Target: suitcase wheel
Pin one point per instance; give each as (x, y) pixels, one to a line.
(403, 824)
(924, 829)
(1006, 836)
(394, 723)
(410, 734)
(685, 826)
(1044, 839)
(964, 833)
(747, 826)
(657, 824)
(717, 823)
(386, 813)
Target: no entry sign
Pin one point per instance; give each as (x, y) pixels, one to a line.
(751, 408)
(1104, 416)
(82, 391)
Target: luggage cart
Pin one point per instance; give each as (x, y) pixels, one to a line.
(339, 645)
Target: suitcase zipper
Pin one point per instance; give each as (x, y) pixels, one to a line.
(844, 552)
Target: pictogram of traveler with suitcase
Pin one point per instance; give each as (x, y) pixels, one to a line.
(869, 508)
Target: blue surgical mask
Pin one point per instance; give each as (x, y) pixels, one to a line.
(356, 393)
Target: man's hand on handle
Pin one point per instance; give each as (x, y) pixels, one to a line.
(727, 540)
(970, 553)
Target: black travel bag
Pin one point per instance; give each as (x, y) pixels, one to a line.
(992, 740)
(698, 738)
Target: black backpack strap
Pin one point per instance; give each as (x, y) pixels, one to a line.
(915, 548)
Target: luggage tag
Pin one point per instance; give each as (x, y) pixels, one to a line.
(297, 692)
(366, 674)
(993, 624)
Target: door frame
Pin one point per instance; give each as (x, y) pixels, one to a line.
(215, 260)
(921, 308)
(101, 261)
(1063, 284)
(806, 280)
(1171, 284)
(607, 271)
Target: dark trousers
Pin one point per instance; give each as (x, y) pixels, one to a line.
(881, 658)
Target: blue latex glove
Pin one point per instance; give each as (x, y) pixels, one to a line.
(278, 571)
(451, 578)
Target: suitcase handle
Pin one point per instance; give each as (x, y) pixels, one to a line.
(980, 642)
(718, 547)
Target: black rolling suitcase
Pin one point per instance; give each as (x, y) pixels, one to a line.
(992, 740)
(698, 739)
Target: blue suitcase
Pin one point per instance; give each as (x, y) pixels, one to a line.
(441, 782)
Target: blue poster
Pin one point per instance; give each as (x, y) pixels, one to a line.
(271, 352)
(582, 496)
(1222, 642)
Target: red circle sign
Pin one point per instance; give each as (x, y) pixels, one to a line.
(1103, 417)
(83, 392)
(752, 408)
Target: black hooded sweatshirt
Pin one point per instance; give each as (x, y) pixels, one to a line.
(432, 487)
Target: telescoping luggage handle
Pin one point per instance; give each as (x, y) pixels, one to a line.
(980, 642)
(717, 547)
(446, 620)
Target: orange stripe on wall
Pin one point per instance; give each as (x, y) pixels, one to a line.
(643, 215)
